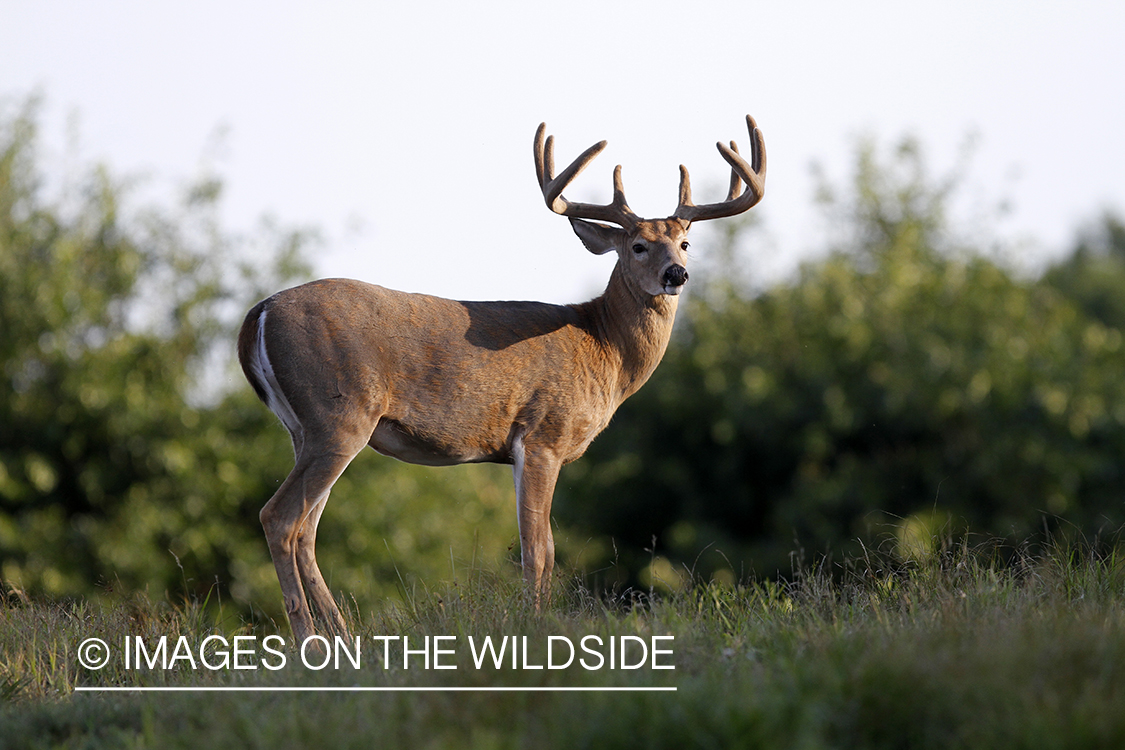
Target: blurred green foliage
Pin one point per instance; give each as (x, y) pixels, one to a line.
(1093, 275)
(132, 453)
(904, 388)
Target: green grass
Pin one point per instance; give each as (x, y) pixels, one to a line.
(966, 648)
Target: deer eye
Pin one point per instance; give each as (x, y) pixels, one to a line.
(684, 246)
(639, 248)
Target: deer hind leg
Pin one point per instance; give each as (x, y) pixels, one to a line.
(536, 471)
(311, 577)
(302, 494)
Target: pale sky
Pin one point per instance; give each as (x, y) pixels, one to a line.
(404, 130)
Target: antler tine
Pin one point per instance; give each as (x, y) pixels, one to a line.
(753, 174)
(735, 181)
(617, 212)
(685, 183)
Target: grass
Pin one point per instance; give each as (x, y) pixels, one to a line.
(965, 648)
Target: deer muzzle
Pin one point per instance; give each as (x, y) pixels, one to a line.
(675, 278)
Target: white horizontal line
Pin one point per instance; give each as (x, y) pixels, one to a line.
(360, 689)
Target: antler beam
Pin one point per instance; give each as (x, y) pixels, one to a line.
(617, 212)
(753, 174)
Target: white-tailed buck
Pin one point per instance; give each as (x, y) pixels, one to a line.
(426, 380)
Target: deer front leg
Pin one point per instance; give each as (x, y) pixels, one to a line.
(536, 470)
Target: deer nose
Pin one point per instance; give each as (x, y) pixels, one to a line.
(676, 275)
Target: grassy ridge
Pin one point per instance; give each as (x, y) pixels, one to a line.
(957, 650)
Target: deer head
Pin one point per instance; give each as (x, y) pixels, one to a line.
(651, 252)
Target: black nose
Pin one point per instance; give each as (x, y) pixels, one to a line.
(676, 275)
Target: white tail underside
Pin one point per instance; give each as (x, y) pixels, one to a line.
(275, 399)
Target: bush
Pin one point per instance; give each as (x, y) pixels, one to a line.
(904, 387)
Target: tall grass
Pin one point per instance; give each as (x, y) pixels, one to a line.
(964, 647)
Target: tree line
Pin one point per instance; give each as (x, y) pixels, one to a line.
(906, 387)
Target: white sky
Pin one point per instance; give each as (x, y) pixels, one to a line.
(404, 130)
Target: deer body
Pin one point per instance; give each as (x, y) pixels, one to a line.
(346, 365)
(489, 371)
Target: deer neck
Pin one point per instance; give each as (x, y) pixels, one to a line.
(636, 326)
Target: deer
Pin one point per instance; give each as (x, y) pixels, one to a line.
(346, 365)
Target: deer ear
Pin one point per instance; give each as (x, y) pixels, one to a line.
(598, 238)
